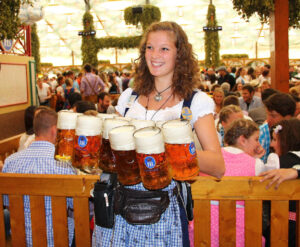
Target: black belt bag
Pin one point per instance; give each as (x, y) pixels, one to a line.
(141, 207)
(104, 193)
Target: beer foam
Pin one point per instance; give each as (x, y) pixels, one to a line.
(149, 140)
(104, 116)
(123, 118)
(88, 126)
(177, 132)
(110, 124)
(159, 123)
(66, 120)
(121, 138)
(139, 124)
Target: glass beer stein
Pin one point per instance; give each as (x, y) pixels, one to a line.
(87, 142)
(155, 171)
(139, 124)
(66, 124)
(180, 149)
(123, 150)
(106, 162)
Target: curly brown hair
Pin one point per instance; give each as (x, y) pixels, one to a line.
(240, 127)
(186, 72)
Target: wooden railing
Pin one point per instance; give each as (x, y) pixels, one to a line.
(37, 186)
(227, 191)
(253, 192)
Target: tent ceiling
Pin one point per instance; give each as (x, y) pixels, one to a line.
(58, 31)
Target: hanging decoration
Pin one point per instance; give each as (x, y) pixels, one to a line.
(30, 13)
(247, 8)
(144, 15)
(35, 47)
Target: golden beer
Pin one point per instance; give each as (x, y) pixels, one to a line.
(106, 162)
(156, 172)
(86, 153)
(66, 125)
(180, 149)
(87, 142)
(123, 149)
(127, 167)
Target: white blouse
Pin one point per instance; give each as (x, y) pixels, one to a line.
(201, 105)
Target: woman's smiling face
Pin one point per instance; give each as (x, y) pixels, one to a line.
(161, 54)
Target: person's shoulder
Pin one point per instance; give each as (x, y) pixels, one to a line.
(201, 96)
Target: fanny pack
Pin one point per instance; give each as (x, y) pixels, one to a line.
(141, 207)
(104, 197)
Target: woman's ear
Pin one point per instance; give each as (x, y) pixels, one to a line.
(241, 141)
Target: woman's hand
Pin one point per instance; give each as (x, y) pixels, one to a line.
(277, 176)
(259, 152)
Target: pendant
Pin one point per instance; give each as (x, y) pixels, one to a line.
(158, 97)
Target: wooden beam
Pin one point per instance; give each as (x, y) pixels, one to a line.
(279, 44)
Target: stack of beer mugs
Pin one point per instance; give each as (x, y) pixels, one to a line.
(87, 142)
(136, 150)
(154, 155)
(66, 125)
(106, 162)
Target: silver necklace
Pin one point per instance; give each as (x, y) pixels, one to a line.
(157, 109)
(158, 97)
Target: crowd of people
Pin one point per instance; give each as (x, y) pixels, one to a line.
(244, 127)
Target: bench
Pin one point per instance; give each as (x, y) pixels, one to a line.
(227, 191)
(8, 146)
(37, 186)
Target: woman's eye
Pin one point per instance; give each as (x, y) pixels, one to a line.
(148, 47)
(165, 49)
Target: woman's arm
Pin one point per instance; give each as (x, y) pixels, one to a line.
(210, 160)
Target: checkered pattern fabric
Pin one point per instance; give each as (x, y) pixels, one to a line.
(167, 232)
(265, 140)
(38, 158)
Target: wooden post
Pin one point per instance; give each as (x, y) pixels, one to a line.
(279, 46)
(116, 53)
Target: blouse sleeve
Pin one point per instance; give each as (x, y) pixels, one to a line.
(201, 105)
(123, 101)
(272, 163)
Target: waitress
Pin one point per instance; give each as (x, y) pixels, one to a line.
(166, 76)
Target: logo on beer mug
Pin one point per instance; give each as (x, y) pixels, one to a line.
(149, 162)
(192, 148)
(82, 141)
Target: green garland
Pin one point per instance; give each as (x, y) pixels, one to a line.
(149, 15)
(212, 43)
(229, 56)
(91, 45)
(9, 21)
(246, 8)
(35, 47)
(88, 47)
(118, 42)
(46, 64)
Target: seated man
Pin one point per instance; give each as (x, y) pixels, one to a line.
(38, 158)
(248, 101)
(279, 106)
(104, 103)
